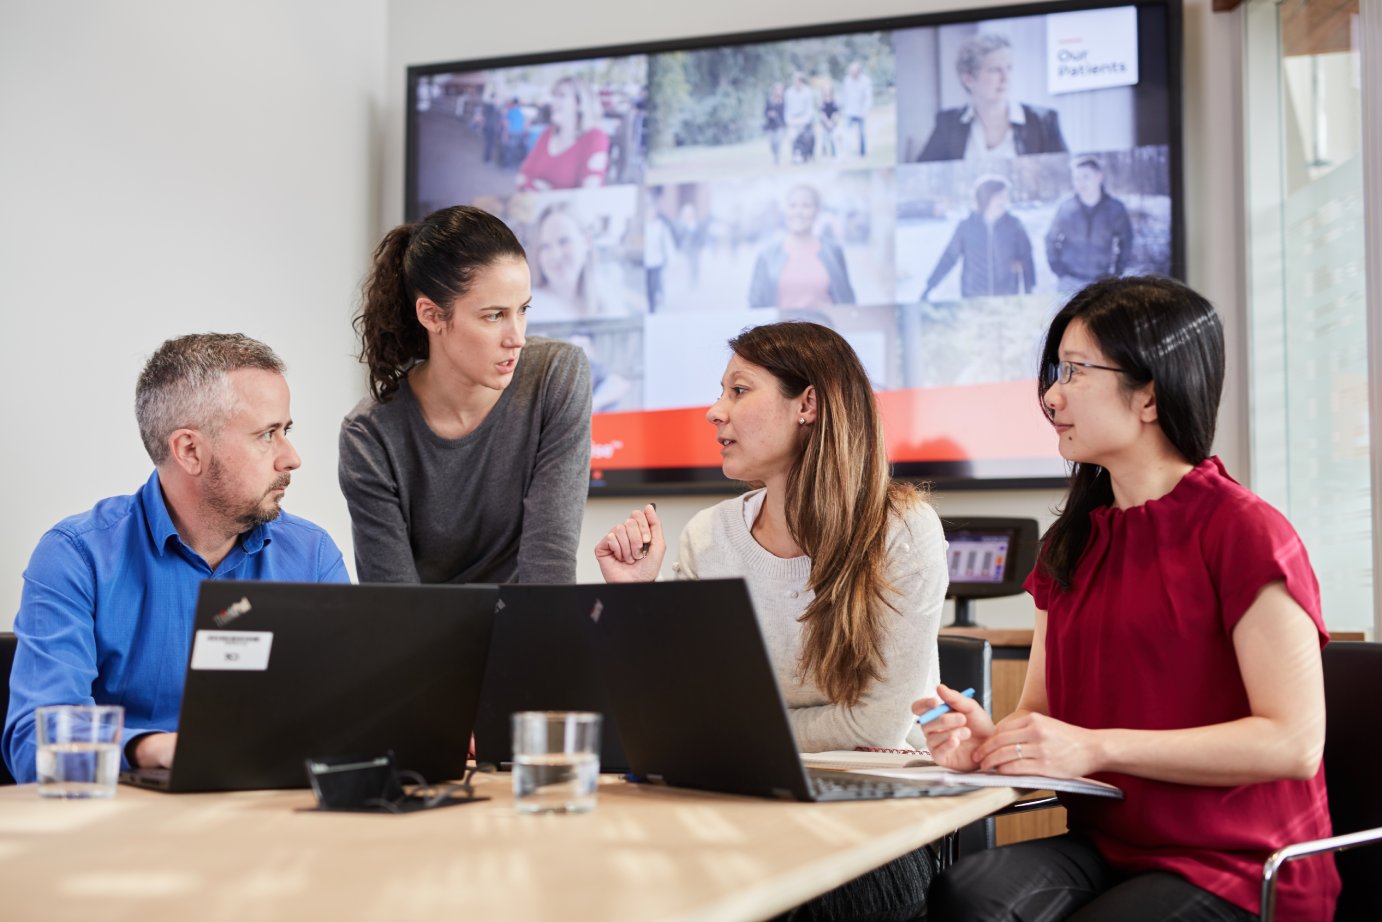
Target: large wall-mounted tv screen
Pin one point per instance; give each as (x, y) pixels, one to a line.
(934, 188)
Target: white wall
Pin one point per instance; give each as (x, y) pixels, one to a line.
(429, 31)
(172, 167)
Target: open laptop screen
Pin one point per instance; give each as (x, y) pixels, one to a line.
(280, 672)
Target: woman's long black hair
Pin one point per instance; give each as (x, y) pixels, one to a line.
(1157, 331)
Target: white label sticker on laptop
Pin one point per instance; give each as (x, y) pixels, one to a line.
(243, 650)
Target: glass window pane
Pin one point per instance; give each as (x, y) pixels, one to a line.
(1308, 308)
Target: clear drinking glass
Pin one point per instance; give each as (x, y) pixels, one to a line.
(556, 761)
(78, 749)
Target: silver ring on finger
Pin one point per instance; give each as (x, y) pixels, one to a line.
(1019, 750)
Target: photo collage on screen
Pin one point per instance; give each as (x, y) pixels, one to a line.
(934, 194)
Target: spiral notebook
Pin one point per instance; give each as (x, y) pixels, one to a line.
(935, 774)
(850, 759)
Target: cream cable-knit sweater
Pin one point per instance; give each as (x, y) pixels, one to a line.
(717, 544)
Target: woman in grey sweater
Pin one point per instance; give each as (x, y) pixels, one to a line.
(469, 462)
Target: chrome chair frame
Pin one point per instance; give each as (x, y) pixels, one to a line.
(1352, 752)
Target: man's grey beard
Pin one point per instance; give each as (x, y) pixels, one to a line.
(244, 519)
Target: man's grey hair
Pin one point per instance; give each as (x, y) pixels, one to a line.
(973, 50)
(186, 385)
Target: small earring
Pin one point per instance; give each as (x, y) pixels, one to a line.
(801, 420)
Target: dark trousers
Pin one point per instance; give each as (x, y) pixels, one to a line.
(896, 892)
(653, 278)
(1066, 878)
(857, 121)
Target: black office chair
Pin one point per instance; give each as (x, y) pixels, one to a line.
(967, 662)
(8, 643)
(1352, 753)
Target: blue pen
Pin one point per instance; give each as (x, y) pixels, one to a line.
(940, 709)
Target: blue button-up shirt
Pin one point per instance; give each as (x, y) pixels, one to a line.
(108, 607)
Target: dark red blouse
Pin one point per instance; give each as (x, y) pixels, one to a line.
(1143, 640)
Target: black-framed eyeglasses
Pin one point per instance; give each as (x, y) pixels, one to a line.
(1066, 370)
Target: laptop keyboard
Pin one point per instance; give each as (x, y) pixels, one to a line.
(834, 785)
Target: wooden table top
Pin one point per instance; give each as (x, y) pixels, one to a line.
(645, 853)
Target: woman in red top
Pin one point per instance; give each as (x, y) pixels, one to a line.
(1175, 652)
(573, 151)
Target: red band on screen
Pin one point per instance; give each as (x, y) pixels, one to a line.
(974, 422)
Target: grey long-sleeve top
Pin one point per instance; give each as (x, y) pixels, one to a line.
(501, 504)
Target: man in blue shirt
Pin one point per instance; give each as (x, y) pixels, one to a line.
(109, 595)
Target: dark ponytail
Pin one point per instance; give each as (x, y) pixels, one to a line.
(1157, 331)
(435, 258)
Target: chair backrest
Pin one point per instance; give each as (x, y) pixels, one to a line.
(1352, 754)
(967, 662)
(8, 643)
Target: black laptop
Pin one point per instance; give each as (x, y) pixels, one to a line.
(280, 672)
(541, 659)
(697, 701)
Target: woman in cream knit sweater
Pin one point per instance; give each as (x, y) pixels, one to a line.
(846, 567)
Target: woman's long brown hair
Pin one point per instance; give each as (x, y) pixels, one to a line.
(840, 497)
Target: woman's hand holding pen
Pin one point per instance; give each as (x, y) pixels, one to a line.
(632, 552)
(953, 737)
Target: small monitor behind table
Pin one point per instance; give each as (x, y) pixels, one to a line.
(987, 557)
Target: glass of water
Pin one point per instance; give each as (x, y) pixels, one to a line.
(78, 749)
(556, 761)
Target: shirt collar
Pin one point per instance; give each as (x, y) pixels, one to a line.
(156, 516)
(258, 537)
(1016, 114)
(162, 529)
